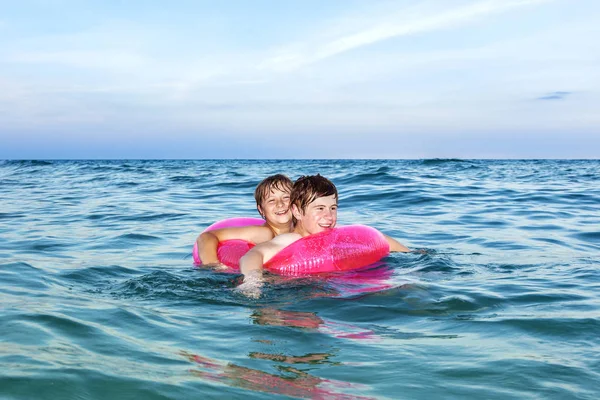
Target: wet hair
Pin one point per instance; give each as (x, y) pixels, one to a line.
(307, 188)
(278, 181)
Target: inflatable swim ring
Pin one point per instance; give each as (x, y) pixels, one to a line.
(340, 249)
(229, 252)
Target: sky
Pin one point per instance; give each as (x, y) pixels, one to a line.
(200, 79)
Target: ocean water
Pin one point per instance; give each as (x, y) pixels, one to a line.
(99, 298)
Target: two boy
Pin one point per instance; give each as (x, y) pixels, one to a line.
(314, 207)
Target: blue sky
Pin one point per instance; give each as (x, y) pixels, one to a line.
(300, 79)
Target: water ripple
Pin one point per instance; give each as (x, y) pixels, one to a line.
(499, 298)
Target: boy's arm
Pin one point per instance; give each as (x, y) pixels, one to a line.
(208, 241)
(207, 248)
(396, 245)
(251, 265)
(252, 262)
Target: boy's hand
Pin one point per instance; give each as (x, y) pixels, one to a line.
(252, 285)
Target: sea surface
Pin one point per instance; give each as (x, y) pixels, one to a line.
(500, 299)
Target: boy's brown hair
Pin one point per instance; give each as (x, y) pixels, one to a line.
(278, 181)
(307, 188)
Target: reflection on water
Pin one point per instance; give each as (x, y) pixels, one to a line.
(302, 319)
(311, 358)
(297, 319)
(291, 381)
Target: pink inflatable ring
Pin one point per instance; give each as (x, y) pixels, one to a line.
(341, 249)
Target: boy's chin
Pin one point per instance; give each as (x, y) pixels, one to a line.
(282, 220)
(321, 229)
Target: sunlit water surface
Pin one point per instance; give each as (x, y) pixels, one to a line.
(100, 299)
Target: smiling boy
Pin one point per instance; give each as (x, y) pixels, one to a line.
(272, 202)
(314, 204)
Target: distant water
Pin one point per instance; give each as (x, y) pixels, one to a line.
(99, 298)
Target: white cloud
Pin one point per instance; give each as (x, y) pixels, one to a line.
(446, 88)
(318, 49)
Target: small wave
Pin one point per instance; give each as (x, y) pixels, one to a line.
(438, 161)
(94, 217)
(43, 245)
(184, 179)
(21, 275)
(124, 241)
(152, 190)
(508, 268)
(97, 179)
(94, 274)
(11, 215)
(169, 286)
(368, 179)
(593, 237)
(393, 199)
(63, 325)
(19, 267)
(431, 263)
(138, 237)
(155, 217)
(127, 184)
(32, 163)
(102, 168)
(141, 218)
(563, 328)
(235, 185)
(552, 241)
(455, 303)
(536, 298)
(369, 198)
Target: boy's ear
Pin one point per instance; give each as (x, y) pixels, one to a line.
(260, 211)
(296, 212)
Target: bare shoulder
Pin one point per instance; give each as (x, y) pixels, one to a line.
(259, 234)
(272, 247)
(285, 239)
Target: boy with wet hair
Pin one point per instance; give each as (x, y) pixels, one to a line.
(307, 188)
(314, 204)
(263, 190)
(273, 204)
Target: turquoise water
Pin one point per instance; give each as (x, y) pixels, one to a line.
(99, 298)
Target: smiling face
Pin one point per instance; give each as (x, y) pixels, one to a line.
(318, 216)
(275, 207)
(273, 201)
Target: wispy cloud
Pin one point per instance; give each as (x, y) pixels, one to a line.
(555, 96)
(390, 69)
(293, 59)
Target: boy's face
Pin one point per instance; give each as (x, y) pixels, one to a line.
(319, 216)
(276, 207)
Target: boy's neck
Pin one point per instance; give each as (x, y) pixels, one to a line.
(299, 229)
(280, 229)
